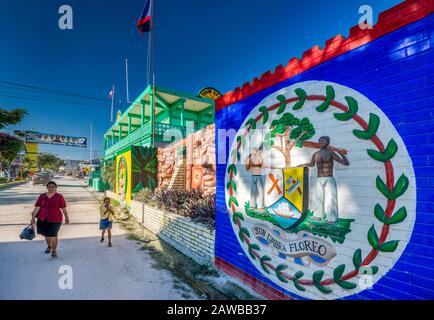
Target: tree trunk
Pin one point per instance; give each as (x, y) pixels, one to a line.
(287, 148)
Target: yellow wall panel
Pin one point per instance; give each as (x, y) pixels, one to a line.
(123, 177)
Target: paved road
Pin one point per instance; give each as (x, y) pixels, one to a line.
(98, 272)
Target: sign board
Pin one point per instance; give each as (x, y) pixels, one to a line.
(209, 93)
(55, 139)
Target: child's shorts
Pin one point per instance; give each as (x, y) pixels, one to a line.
(105, 224)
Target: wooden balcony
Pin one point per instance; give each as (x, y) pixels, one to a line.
(173, 115)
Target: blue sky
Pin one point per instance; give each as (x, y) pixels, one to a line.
(199, 43)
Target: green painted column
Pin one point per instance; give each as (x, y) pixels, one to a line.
(170, 112)
(143, 114)
(120, 131)
(129, 124)
(113, 137)
(182, 114)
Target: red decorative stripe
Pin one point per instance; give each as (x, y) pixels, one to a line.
(261, 287)
(390, 20)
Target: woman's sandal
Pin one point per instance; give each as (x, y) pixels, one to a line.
(48, 250)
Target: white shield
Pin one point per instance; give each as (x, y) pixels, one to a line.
(273, 190)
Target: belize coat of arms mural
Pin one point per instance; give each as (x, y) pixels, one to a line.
(320, 190)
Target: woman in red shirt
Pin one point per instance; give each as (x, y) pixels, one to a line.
(48, 209)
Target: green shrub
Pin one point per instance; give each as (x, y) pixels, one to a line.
(3, 180)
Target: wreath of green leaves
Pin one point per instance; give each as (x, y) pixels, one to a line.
(389, 189)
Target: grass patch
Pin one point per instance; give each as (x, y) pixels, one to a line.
(134, 237)
(335, 231)
(114, 202)
(167, 257)
(266, 216)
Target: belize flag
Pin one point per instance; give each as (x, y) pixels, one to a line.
(144, 23)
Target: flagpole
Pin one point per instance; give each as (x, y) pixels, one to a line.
(148, 60)
(126, 75)
(153, 72)
(91, 145)
(148, 17)
(113, 97)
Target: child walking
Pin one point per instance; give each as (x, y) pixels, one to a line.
(106, 223)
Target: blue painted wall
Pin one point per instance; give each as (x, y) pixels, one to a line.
(396, 72)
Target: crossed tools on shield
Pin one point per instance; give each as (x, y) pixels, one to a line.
(290, 180)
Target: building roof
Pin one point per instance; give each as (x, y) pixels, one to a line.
(165, 99)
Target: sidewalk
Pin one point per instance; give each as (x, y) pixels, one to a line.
(99, 272)
(206, 281)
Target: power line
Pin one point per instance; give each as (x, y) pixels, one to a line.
(80, 95)
(31, 88)
(45, 100)
(9, 90)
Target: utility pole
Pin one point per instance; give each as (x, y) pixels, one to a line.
(126, 76)
(91, 146)
(113, 97)
(153, 73)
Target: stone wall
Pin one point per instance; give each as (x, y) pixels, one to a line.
(189, 163)
(192, 239)
(170, 161)
(201, 157)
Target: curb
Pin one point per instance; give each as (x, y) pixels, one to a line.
(12, 184)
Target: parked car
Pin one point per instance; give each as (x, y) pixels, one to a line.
(41, 178)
